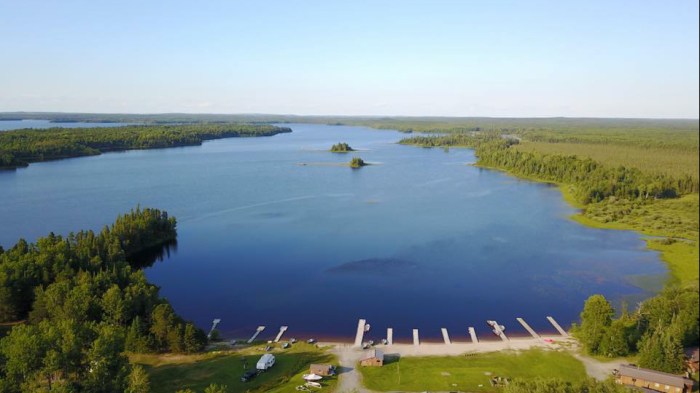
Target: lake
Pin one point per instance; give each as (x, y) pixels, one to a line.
(420, 239)
(6, 125)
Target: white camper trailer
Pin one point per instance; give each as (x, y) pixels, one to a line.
(266, 361)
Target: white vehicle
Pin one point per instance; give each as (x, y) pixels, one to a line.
(266, 361)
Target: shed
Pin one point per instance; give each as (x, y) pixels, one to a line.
(322, 369)
(374, 358)
(653, 380)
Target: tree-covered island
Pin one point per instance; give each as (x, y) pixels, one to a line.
(341, 147)
(357, 162)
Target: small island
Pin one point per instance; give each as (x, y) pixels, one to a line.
(341, 147)
(357, 162)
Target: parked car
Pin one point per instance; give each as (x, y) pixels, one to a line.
(248, 375)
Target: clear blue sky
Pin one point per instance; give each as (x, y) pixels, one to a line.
(457, 58)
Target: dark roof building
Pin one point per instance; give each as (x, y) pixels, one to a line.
(656, 381)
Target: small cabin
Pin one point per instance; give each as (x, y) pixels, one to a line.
(322, 369)
(655, 381)
(374, 358)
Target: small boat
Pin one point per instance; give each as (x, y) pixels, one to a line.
(496, 328)
(314, 385)
(311, 340)
(292, 340)
(312, 377)
(371, 343)
(365, 346)
(385, 341)
(285, 345)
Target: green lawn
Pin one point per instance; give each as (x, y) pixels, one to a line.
(470, 372)
(169, 373)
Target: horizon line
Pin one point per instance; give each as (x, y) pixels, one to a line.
(346, 116)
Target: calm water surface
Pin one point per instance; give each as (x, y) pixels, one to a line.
(6, 125)
(419, 240)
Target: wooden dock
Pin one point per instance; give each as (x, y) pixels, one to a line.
(389, 336)
(255, 335)
(213, 326)
(416, 340)
(556, 326)
(528, 328)
(279, 335)
(472, 333)
(360, 332)
(445, 336)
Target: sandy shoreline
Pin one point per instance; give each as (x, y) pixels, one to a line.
(442, 349)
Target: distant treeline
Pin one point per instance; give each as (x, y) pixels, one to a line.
(593, 181)
(84, 304)
(21, 147)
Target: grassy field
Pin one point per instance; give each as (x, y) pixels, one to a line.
(169, 373)
(672, 225)
(471, 372)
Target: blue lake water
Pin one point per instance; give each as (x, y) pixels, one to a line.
(6, 125)
(419, 240)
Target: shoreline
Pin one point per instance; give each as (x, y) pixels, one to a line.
(650, 238)
(460, 348)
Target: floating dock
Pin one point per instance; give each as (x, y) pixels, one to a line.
(416, 340)
(472, 333)
(213, 326)
(279, 335)
(360, 332)
(528, 328)
(255, 335)
(389, 336)
(556, 326)
(445, 336)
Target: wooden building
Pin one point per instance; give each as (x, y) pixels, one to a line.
(656, 381)
(374, 358)
(322, 369)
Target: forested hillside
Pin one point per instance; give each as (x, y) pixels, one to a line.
(22, 147)
(84, 305)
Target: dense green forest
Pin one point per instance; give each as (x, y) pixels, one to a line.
(84, 304)
(657, 331)
(21, 147)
